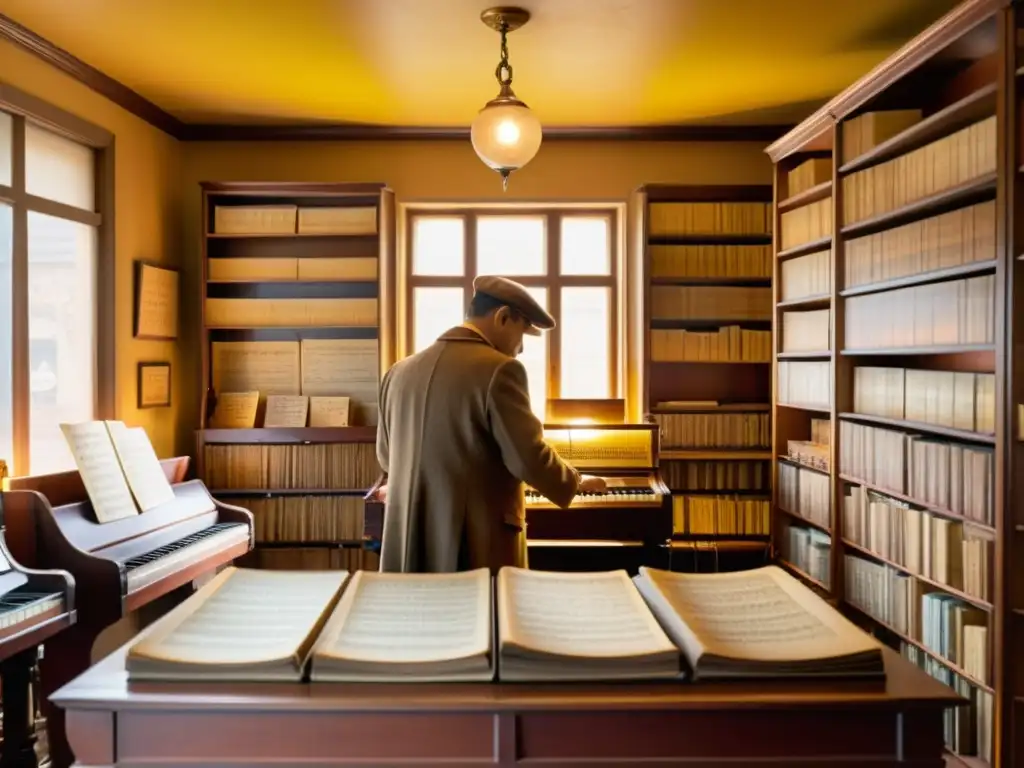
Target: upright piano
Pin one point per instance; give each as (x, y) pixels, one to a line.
(119, 566)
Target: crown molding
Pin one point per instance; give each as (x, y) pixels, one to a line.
(141, 107)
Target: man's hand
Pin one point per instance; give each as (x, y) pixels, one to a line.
(591, 484)
(382, 494)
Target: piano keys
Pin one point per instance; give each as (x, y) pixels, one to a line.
(34, 607)
(119, 566)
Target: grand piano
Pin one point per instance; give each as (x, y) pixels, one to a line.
(119, 566)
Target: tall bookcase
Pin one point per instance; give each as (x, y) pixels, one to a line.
(899, 483)
(293, 291)
(707, 331)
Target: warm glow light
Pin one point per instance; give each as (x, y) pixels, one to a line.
(583, 421)
(506, 136)
(507, 133)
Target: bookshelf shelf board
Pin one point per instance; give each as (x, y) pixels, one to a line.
(305, 289)
(804, 521)
(709, 323)
(283, 235)
(808, 196)
(953, 349)
(720, 407)
(292, 334)
(271, 492)
(721, 545)
(940, 511)
(714, 538)
(582, 543)
(985, 605)
(725, 282)
(806, 302)
(973, 191)
(932, 276)
(287, 281)
(970, 109)
(800, 572)
(709, 239)
(920, 646)
(807, 407)
(811, 246)
(821, 353)
(921, 426)
(762, 494)
(711, 362)
(803, 465)
(289, 436)
(714, 454)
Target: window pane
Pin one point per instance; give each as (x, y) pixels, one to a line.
(434, 311)
(5, 150)
(59, 169)
(535, 359)
(586, 314)
(6, 350)
(438, 245)
(510, 245)
(62, 335)
(585, 248)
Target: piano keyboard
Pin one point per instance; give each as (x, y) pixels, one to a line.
(621, 497)
(153, 566)
(18, 606)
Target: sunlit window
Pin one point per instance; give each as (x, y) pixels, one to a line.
(565, 258)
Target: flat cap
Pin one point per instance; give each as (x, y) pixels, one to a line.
(518, 298)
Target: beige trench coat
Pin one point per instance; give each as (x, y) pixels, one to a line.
(457, 438)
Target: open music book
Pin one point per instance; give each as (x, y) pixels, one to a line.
(244, 625)
(758, 623)
(578, 626)
(409, 628)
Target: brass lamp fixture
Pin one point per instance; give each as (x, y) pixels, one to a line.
(505, 134)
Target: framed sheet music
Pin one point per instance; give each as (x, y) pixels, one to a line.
(156, 301)
(154, 385)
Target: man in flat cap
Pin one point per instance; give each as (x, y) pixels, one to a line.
(457, 438)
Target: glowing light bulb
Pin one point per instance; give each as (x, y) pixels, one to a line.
(507, 133)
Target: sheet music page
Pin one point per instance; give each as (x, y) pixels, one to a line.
(236, 410)
(100, 469)
(269, 367)
(286, 411)
(158, 302)
(247, 616)
(576, 614)
(141, 467)
(764, 614)
(403, 618)
(329, 411)
(348, 367)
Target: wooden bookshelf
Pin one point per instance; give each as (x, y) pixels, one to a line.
(706, 277)
(918, 518)
(292, 294)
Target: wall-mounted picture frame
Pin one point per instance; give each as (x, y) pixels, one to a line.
(156, 301)
(154, 385)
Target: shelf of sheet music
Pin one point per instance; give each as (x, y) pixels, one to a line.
(289, 435)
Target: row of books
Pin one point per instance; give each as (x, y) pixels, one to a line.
(804, 383)
(670, 302)
(311, 558)
(311, 367)
(720, 516)
(961, 400)
(961, 236)
(709, 261)
(804, 276)
(806, 331)
(810, 173)
(667, 219)
(346, 466)
(866, 131)
(945, 625)
(714, 430)
(290, 313)
(295, 519)
(705, 475)
(952, 313)
(806, 493)
(939, 473)
(814, 452)
(806, 224)
(945, 163)
(730, 344)
(918, 541)
(292, 219)
(523, 625)
(284, 270)
(809, 549)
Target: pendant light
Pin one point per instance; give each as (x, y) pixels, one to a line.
(505, 134)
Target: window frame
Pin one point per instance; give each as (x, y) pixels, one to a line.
(23, 108)
(550, 279)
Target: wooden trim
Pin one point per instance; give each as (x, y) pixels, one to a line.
(284, 188)
(89, 76)
(21, 394)
(54, 118)
(106, 285)
(63, 210)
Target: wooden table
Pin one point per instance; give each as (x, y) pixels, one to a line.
(841, 725)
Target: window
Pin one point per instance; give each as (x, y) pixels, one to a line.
(56, 292)
(565, 258)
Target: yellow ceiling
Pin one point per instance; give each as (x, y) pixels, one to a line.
(431, 62)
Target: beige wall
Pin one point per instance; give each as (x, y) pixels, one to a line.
(148, 195)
